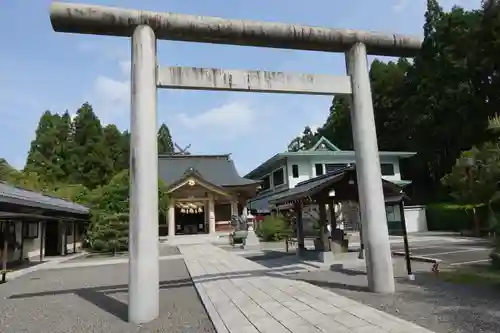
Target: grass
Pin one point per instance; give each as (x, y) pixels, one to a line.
(486, 275)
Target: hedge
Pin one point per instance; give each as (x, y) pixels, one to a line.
(452, 217)
(273, 228)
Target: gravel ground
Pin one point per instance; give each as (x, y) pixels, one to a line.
(428, 301)
(93, 299)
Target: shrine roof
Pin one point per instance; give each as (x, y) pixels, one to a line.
(216, 169)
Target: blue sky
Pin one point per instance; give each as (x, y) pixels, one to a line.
(43, 70)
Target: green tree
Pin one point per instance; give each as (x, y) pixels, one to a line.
(109, 232)
(116, 150)
(337, 127)
(110, 211)
(91, 165)
(450, 87)
(165, 144)
(44, 156)
(303, 142)
(8, 173)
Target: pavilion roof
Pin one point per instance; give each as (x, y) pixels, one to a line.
(20, 197)
(338, 180)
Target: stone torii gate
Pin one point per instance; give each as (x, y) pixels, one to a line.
(145, 28)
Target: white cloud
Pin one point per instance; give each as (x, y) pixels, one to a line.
(234, 119)
(125, 67)
(110, 98)
(399, 5)
(111, 90)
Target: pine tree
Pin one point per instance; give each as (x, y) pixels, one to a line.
(165, 145)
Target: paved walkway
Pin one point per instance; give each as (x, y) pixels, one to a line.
(243, 296)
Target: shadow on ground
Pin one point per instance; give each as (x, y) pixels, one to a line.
(55, 301)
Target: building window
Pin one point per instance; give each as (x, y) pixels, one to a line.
(319, 169)
(266, 183)
(278, 177)
(387, 169)
(31, 230)
(334, 166)
(295, 171)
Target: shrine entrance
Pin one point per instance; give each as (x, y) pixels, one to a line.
(190, 218)
(145, 28)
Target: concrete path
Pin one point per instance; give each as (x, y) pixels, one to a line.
(244, 296)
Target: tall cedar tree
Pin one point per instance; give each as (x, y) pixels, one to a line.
(91, 164)
(116, 153)
(45, 156)
(165, 144)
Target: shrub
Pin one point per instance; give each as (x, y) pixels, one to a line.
(273, 228)
(108, 232)
(452, 217)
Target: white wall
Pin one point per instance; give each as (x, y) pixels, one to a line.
(305, 170)
(307, 166)
(31, 247)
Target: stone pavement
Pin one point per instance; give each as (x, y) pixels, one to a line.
(243, 296)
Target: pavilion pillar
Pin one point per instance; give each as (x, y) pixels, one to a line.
(74, 237)
(333, 221)
(5, 248)
(171, 218)
(300, 227)
(143, 293)
(65, 231)
(323, 221)
(42, 239)
(234, 208)
(211, 214)
(23, 231)
(371, 198)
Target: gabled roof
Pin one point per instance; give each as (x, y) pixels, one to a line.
(192, 175)
(215, 169)
(324, 144)
(20, 197)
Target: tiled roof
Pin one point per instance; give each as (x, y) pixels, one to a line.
(314, 185)
(216, 169)
(21, 197)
